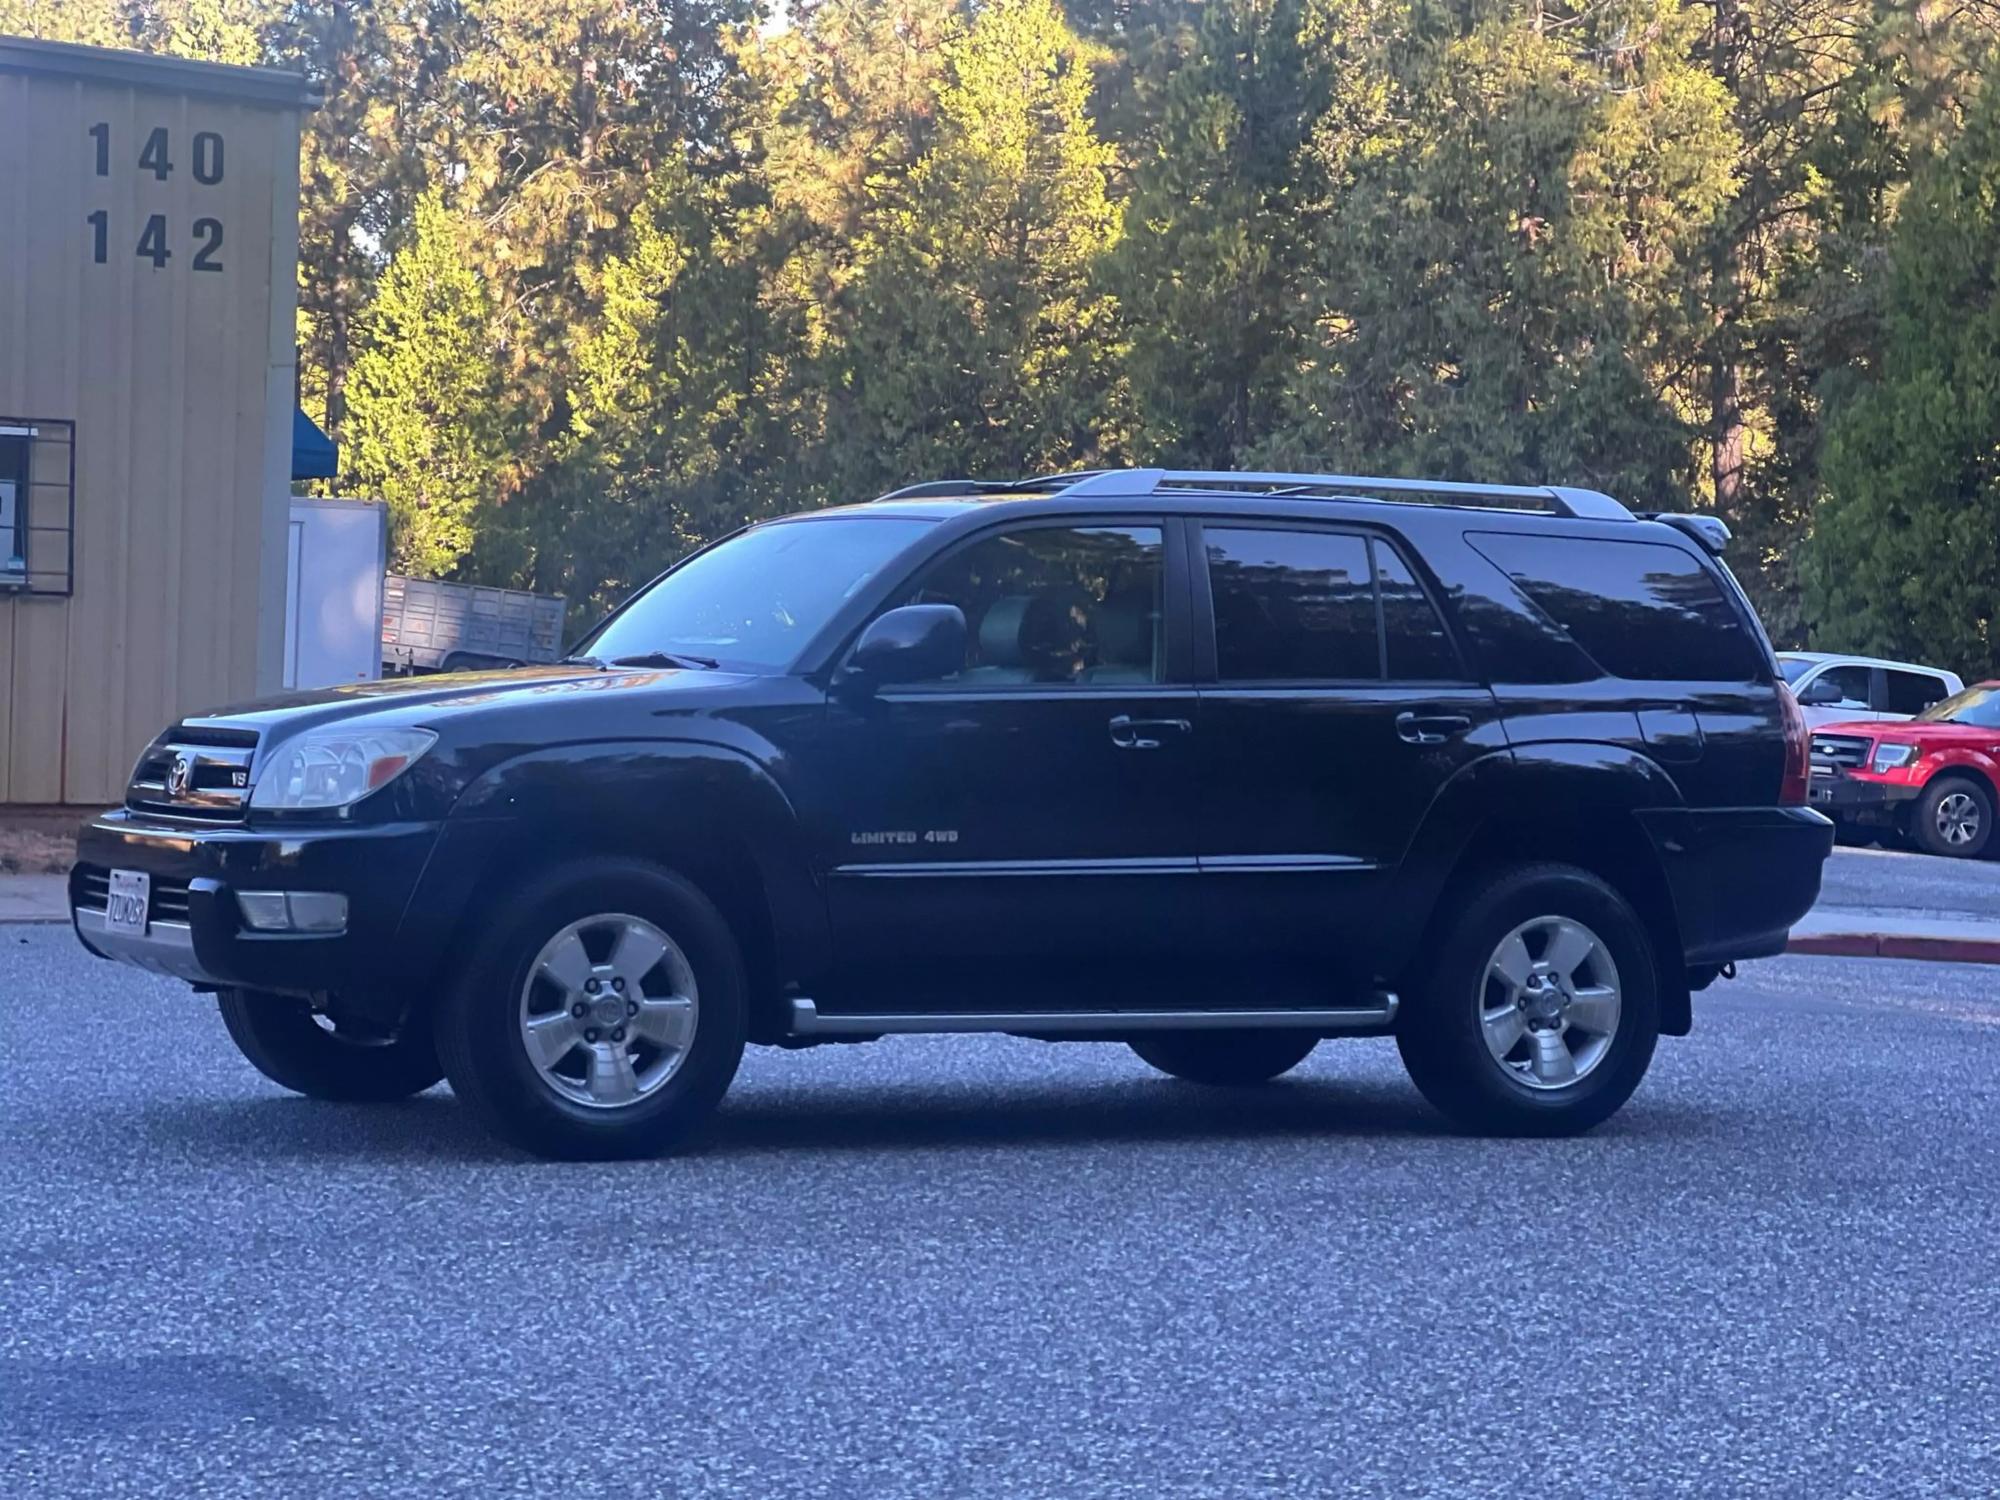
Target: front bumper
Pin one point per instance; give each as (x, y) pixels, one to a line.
(1740, 876)
(195, 930)
(1857, 799)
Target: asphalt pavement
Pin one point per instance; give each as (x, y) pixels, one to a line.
(986, 1267)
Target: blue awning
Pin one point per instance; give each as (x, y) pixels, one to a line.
(313, 453)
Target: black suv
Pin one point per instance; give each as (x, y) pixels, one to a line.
(1214, 764)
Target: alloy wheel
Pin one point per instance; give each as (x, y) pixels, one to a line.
(1549, 1003)
(608, 1011)
(1957, 818)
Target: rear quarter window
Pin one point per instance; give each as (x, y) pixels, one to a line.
(1641, 610)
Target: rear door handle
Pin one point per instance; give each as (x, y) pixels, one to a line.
(1430, 729)
(1128, 733)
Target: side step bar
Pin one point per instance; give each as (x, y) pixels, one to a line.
(806, 1020)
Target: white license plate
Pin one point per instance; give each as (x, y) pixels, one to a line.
(125, 906)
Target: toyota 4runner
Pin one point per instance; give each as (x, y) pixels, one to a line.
(1218, 765)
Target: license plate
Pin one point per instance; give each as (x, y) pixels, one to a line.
(125, 905)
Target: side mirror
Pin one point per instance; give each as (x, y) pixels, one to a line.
(917, 643)
(1822, 692)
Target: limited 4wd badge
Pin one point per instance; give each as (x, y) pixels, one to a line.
(906, 836)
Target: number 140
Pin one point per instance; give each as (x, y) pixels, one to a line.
(153, 241)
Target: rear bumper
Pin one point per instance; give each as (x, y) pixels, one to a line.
(1740, 877)
(203, 940)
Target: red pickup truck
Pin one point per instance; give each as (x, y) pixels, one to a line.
(1934, 778)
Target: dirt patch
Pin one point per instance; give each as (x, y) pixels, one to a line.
(25, 851)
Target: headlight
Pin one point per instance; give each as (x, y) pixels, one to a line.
(336, 767)
(1889, 757)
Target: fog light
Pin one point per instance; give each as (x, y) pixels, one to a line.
(318, 911)
(293, 911)
(264, 910)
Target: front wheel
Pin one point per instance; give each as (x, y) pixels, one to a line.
(1229, 1059)
(603, 1014)
(1953, 816)
(1540, 1011)
(297, 1049)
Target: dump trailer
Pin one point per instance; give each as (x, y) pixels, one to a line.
(428, 626)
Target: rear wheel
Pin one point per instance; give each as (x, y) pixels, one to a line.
(1231, 1059)
(1953, 816)
(292, 1046)
(1539, 1013)
(603, 1014)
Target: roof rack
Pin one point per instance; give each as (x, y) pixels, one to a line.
(1561, 500)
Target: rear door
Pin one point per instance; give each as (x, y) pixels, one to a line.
(1901, 693)
(1335, 704)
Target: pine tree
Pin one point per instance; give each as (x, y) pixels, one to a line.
(424, 429)
(1216, 253)
(981, 339)
(1518, 198)
(1905, 559)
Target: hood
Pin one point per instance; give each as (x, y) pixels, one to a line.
(435, 700)
(1912, 732)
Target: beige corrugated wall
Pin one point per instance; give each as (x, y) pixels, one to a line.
(176, 378)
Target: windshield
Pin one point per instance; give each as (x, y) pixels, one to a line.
(1794, 667)
(1977, 706)
(752, 603)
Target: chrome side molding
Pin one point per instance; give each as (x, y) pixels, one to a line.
(807, 1020)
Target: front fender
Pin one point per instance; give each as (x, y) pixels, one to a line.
(688, 804)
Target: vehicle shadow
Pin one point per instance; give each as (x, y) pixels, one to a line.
(807, 1120)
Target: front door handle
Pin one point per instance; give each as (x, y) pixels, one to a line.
(1430, 729)
(1128, 733)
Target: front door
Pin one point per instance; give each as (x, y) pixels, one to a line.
(1018, 835)
(1338, 707)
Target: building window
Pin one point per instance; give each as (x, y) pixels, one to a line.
(14, 507)
(37, 506)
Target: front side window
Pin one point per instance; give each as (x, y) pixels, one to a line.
(1839, 687)
(754, 602)
(1057, 604)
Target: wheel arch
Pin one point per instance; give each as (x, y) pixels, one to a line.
(1562, 803)
(710, 814)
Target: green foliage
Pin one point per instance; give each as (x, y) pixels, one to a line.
(584, 283)
(423, 429)
(1224, 208)
(1519, 193)
(979, 341)
(1906, 557)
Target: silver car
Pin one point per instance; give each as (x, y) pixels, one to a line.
(1835, 689)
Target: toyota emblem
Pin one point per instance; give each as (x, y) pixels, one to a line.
(179, 775)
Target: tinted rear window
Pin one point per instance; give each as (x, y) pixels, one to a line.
(1913, 692)
(1641, 610)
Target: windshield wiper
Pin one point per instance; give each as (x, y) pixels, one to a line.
(666, 659)
(596, 662)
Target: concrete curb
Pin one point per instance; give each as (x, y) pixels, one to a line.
(1937, 949)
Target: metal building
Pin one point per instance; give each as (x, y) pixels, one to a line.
(148, 290)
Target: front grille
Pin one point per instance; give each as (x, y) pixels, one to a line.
(195, 771)
(1839, 752)
(169, 901)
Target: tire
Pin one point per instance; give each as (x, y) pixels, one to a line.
(1444, 1042)
(1953, 816)
(287, 1044)
(593, 1098)
(1228, 1059)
